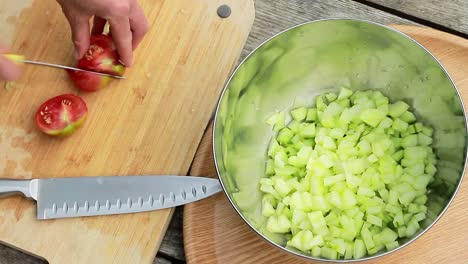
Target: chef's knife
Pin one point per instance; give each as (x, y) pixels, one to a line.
(89, 196)
(19, 58)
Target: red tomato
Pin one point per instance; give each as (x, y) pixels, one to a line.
(100, 57)
(61, 115)
(88, 82)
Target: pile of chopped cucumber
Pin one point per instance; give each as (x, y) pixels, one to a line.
(347, 178)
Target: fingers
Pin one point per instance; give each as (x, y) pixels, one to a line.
(122, 36)
(98, 25)
(138, 24)
(80, 34)
(9, 71)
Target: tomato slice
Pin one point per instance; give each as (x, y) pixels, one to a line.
(61, 115)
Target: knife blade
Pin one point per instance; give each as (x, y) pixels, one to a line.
(91, 196)
(19, 58)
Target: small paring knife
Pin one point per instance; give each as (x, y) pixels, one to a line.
(90, 196)
(22, 59)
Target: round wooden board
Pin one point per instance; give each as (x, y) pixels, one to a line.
(214, 232)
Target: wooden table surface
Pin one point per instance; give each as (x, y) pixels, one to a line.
(275, 16)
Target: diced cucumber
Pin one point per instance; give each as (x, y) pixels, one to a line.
(333, 179)
(334, 199)
(410, 141)
(278, 224)
(329, 253)
(392, 245)
(331, 97)
(374, 220)
(359, 250)
(424, 140)
(420, 216)
(399, 125)
(277, 120)
(428, 131)
(398, 108)
(285, 135)
(267, 209)
(338, 244)
(282, 187)
(394, 209)
(372, 117)
(412, 227)
(299, 114)
(316, 251)
(348, 198)
(349, 176)
(367, 238)
(349, 251)
(387, 236)
(311, 115)
(408, 117)
(345, 93)
(320, 103)
(364, 191)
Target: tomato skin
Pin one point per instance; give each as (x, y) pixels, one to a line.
(88, 82)
(61, 115)
(101, 57)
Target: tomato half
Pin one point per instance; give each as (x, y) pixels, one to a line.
(61, 115)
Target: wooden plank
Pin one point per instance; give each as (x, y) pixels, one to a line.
(173, 242)
(150, 123)
(450, 13)
(159, 260)
(273, 17)
(11, 255)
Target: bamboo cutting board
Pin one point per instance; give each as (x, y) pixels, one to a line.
(150, 123)
(214, 232)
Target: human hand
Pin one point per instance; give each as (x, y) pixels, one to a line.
(9, 71)
(127, 22)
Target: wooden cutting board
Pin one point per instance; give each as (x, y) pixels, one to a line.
(150, 123)
(214, 232)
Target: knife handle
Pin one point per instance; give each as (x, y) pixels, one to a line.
(10, 187)
(14, 57)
